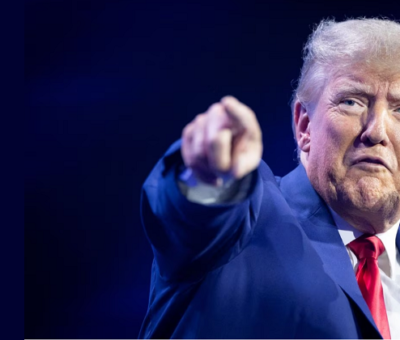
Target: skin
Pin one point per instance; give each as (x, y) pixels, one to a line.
(350, 145)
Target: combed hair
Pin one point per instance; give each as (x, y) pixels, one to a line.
(341, 44)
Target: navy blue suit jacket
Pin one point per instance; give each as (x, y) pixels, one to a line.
(271, 266)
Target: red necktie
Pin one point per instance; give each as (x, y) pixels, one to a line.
(368, 249)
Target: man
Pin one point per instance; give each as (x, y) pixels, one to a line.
(259, 256)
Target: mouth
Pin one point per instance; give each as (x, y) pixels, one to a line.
(371, 161)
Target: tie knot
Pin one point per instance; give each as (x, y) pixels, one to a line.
(367, 246)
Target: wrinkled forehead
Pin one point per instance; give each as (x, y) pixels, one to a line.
(369, 79)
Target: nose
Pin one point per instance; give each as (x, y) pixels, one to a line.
(375, 131)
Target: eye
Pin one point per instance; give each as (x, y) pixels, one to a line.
(396, 113)
(349, 102)
(352, 106)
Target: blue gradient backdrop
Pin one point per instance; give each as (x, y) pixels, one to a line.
(109, 86)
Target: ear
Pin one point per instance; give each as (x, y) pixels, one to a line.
(302, 126)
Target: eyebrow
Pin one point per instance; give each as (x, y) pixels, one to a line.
(360, 89)
(394, 96)
(354, 89)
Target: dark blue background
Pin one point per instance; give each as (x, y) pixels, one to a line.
(109, 86)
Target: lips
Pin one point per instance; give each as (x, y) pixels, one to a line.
(372, 160)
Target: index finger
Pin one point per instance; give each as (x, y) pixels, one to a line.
(240, 113)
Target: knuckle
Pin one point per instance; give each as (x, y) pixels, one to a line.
(218, 112)
(200, 118)
(187, 130)
(215, 107)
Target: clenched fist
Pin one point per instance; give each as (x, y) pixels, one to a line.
(225, 140)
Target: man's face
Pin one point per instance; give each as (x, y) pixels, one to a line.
(354, 156)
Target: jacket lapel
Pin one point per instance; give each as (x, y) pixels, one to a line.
(318, 224)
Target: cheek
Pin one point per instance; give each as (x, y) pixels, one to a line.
(397, 148)
(332, 140)
(397, 155)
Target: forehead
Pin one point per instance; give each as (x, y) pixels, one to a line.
(370, 79)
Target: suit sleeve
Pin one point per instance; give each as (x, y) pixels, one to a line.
(189, 239)
(231, 191)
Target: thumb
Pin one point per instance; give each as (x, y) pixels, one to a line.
(244, 163)
(239, 168)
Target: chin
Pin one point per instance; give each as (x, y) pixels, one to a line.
(369, 192)
(370, 197)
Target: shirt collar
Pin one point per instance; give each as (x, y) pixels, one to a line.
(348, 233)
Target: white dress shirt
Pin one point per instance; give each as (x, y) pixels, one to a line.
(389, 268)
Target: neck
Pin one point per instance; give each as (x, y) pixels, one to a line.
(369, 223)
